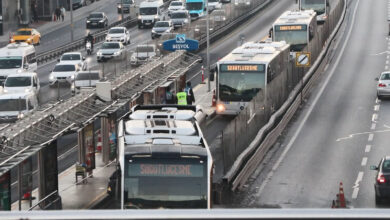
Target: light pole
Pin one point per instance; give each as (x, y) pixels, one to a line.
(208, 44)
(71, 20)
(122, 9)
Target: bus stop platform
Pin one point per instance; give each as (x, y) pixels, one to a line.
(89, 194)
(78, 195)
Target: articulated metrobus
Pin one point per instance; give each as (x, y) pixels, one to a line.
(165, 161)
(321, 7)
(297, 28)
(245, 71)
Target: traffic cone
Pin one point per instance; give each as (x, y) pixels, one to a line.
(26, 196)
(99, 143)
(342, 197)
(214, 100)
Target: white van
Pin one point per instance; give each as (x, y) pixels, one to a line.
(150, 12)
(15, 106)
(17, 58)
(22, 82)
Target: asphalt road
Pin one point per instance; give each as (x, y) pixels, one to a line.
(340, 131)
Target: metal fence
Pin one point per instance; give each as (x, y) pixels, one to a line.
(240, 132)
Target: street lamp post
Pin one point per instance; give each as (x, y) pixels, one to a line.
(122, 9)
(71, 20)
(208, 44)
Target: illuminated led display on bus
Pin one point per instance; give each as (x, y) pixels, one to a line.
(166, 170)
(242, 67)
(291, 28)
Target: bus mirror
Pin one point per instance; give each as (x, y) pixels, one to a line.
(270, 33)
(25, 66)
(212, 75)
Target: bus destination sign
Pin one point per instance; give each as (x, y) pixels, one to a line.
(291, 28)
(166, 170)
(242, 67)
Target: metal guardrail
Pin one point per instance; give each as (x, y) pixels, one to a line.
(267, 136)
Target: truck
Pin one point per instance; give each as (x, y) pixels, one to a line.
(196, 8)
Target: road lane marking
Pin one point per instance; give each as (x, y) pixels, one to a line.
(368, 148)
(376, 108)
(373, 126)
(370, 137)
(362, 133)
(308, 113)
(374, 117)
(364, 161)
(356, 186)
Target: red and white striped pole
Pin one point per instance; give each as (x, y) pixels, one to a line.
(99, 143)
(202, 71)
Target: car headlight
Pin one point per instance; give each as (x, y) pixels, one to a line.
(72, 77)
(117, 53)
(99, 53)
(119, 6)
(153, 31)
(196, 29)
(221, 108)
(139, 17)
(108, 38)
(167, 31)
(27, 90)
(88, 21)
(155, 17)
(101, 21)
(51, 77)
(133, 58)
(72, 87)
(185, 20)
(20, 116)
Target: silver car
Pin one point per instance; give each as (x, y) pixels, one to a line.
(110, 50)
(161, 27)
(383, 85)
(180, 18)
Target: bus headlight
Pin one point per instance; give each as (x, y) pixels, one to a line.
(220, 108)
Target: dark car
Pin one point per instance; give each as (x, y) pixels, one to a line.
(382, 179)
(97, 19)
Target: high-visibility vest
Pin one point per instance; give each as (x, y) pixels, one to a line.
(181, 98)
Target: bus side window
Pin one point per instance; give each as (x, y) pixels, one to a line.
(269, 74)
(31, 58)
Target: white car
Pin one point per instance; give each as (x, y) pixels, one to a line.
(143, 53)
(176, 6)
(119, 34)
(63, 73)
(73, 58)
(15, 106)
(214, 4)
(24, 82)
(383, 85)
(110, 50)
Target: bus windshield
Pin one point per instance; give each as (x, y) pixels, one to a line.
(11, 105)
(194, 6)
(240, 85)
(182, 183)
(10, 62)
(295, 35)
(318, 6)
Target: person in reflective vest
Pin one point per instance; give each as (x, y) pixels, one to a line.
(181, 98)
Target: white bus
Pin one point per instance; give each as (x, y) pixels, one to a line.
(321, 7)
(164, 160)
(245, 71)
(297, 28)
(17, 58)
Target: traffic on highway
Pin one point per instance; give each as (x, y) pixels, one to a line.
(196, 104)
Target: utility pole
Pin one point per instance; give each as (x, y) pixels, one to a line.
(208, 44)
(71, 20)
(122, 9)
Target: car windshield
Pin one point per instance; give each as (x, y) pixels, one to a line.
(148, 11)
(386, 166)
(219, 13)
(161, 24)
(194, 6)
(87, 76)
(98, 15)
(213, 1)
(64, 68)
(21, 81)
(144, 49)
(385, 76)
(179, 15)
(110, 46)
(23, 32)
(12, 105)
(116, 31)
(10, 62)
(71, 57)
(176, 3)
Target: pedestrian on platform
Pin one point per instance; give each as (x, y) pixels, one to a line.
(63, 11)
(181, 98)
(58, 13)
(169, 96)
(190, 94)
